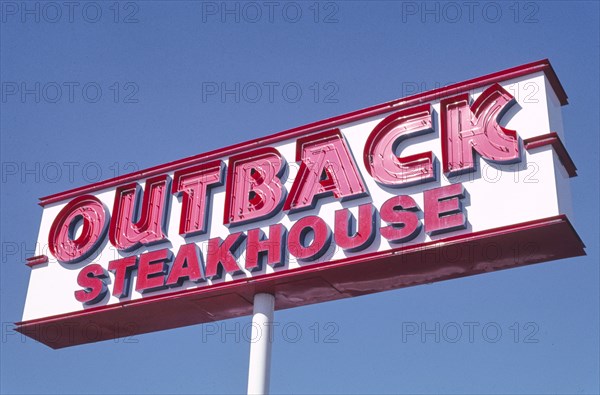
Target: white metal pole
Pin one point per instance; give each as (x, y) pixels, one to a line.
(259, 371)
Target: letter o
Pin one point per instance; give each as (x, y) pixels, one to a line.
(93, 216)
(298, 235)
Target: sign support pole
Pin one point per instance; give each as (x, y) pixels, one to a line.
(259, 371)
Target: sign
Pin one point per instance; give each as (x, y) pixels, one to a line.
(462, 180)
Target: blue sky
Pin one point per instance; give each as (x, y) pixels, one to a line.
(133, 80)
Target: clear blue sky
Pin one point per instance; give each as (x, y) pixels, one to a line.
(151, 109)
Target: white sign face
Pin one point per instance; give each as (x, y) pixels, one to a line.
(453, 182)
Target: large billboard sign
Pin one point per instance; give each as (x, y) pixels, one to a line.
(465, 179)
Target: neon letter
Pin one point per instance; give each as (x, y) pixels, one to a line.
(193, 185)
(297, 240)
(122, 269)
(466, 128)
(327, 168)
(380, 150)
(152, 269)
(254, 188)
(187, 266)
(363, 234)
(92, 215)
(93, 279)
(400, 213)
(258, 246)
(127, 235)
(220, 255)
(443, 209)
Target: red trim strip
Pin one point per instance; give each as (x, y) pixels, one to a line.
(553, 140)
(423, 97)
(560, 92)
(36, 260)
(458, 256)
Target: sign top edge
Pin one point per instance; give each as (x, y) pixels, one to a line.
(396, 104)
